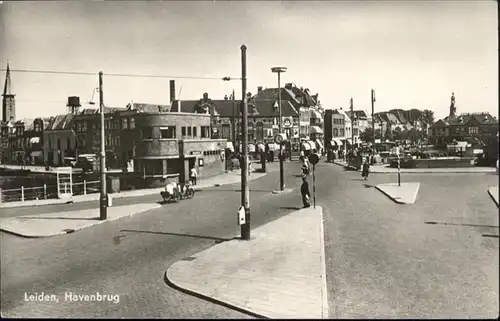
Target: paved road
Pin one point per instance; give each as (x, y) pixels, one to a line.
(91, 260)
(383, 260)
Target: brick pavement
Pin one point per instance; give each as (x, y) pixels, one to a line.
(404, 194)
(223, 179)
(46, 225)
(279, 273)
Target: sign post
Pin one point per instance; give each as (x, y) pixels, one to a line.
(399, 166)
(314, 159)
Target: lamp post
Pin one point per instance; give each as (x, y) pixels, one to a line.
(245, 191)
(279, 70)
(373, 119)
(103, 213)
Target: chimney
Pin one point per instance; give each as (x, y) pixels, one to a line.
(172, 91)
(259, 89)
(288, 85)
(225, 97)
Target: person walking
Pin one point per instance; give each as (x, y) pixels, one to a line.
(193, 175)
(304, 191)
(366, 168)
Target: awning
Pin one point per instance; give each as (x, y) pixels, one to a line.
(36, 153)
(316, 130)
(312, 144)
(274, 146)
(229, 145)
(337, 142)
(261, 147)
(251, 148)
(34, 140)
(306, 146)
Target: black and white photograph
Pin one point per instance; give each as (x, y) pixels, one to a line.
(249, 159)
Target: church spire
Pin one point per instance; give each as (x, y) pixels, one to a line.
(7, 90)
(453, 109)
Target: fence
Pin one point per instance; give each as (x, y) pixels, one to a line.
(47, 191)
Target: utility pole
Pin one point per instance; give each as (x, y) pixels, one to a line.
(352, 124)
(373, 119)
(234, 124)
(103, 199)
(279, 70)
(245, 191)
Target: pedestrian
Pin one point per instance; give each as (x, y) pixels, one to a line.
(366, 168)
(193, 175)
(304, 191)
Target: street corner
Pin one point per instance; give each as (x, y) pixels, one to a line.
(273, 275)
(493, 191)
(404, 194)
(284, 191)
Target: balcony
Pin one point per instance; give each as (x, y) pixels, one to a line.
(156, 148)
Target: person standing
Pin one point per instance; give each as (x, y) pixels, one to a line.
(193, 175)
(366, 168)
(304, 191)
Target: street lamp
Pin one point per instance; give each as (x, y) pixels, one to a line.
(279, 70)
(103, 213)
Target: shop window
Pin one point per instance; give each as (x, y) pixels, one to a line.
(167, 132)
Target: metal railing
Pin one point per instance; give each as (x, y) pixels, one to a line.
(47, 191)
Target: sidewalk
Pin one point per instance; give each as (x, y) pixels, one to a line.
(223, 179)
(384, 169)
(35, 226)
(279, 273)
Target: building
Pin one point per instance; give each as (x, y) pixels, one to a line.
(334, 125)
(170, 144)
(59, 140)
(477, 129)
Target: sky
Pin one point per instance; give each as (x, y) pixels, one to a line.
(414, 54)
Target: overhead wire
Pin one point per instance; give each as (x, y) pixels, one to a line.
(118, 74)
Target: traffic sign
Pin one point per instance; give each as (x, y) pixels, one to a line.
(287, 122)
(241, 216)
(314, 158)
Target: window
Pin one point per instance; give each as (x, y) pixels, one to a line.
(125, 123)
(147, 133)
(132, 123)
(167, 132)
(205, 131)
(183, 131)
(106, 124)
(473, 130)
(189, 131)
(195, 132)
(59, 144)
(342, 132)
(116, 124)
(226, 131)
(84, 126)
(68, 144)
(117, 141)
(335, 132)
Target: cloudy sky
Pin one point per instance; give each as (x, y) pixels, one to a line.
(413, 53)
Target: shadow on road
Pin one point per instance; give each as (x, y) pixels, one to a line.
(460, 224)
(235, 190)
(489, 235)
(59, 218)
(290, 208)
(368, 186)
(217, 239)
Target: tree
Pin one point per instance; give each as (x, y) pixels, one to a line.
(428, 116)
(366, 135)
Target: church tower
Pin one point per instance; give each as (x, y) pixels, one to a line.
(8, 100)
(453, 108)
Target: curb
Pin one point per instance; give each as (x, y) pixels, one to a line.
(413, 171)
(324, 295)
(69, 231)
(209, 299)
(389, 196)
(493, 197)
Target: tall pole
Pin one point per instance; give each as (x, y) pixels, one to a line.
(103, 199)
(282, 174)
(352, 125)
(234, 124)
(373, 118)
(245, 191)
